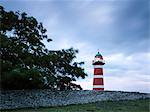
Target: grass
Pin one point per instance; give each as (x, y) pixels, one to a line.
(104, 106)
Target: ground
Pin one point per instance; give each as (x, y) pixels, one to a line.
(104, 106)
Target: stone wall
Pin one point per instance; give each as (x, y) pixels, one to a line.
(44, 98)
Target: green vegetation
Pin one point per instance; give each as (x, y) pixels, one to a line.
(104, 106)
(26, 63)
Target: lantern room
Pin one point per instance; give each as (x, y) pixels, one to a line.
(98, 59)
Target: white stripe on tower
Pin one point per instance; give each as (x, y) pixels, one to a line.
(98, 66)
(98, 86)
(98, 76)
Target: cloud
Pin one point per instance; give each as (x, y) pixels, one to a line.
(138, 61)
(129, 83)
(128, 72)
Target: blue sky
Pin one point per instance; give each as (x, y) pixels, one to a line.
(118, 28)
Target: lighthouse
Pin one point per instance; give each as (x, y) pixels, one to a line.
(98, 82)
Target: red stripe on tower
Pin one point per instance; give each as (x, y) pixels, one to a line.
(98, 62)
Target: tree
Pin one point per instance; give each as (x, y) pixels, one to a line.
(25, 61)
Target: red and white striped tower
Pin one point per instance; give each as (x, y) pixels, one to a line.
(98, 62)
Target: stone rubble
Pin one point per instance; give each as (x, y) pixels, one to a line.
(44, 98)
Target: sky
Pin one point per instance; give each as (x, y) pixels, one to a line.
(119, 29)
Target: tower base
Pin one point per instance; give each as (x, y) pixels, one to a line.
(101, 89)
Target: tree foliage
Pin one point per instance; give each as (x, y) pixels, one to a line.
(25, 61)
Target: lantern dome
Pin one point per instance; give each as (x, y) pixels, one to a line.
(98, 55)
